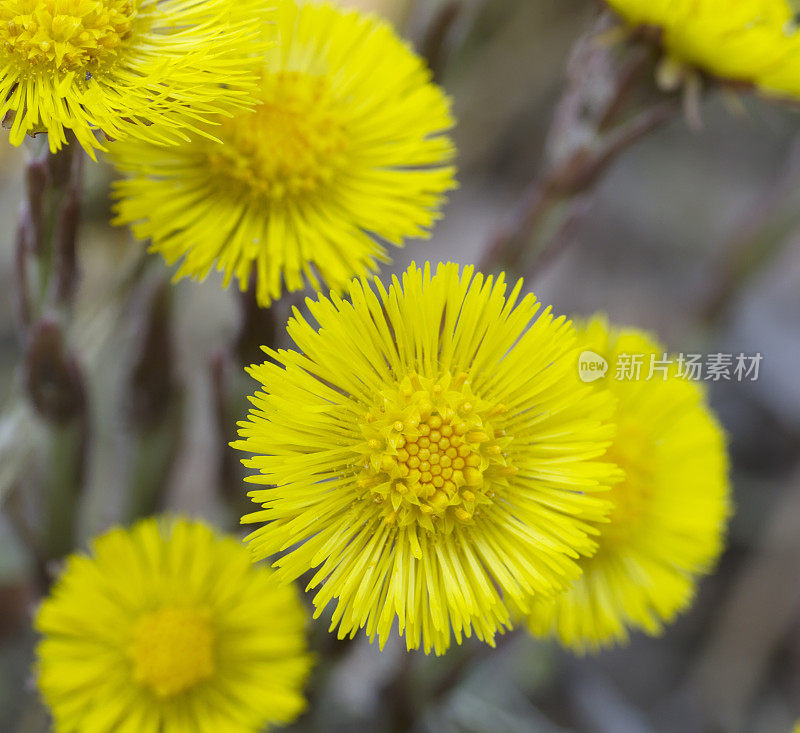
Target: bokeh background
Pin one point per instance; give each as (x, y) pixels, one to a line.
(692, 233)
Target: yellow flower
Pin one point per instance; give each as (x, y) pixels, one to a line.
(144, 68)
(427, 454)
(169, 627)
(748, 41)
(670, 509)
(347, 150)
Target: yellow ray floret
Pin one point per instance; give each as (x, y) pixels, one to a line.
(347, 150)
(751, 41)
(169, 627)
(670, 508)
(144, 68)
(429, 458)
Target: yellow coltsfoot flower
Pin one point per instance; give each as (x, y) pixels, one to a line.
(669, 511)
(346, 150)
(144, 68)
(169, 627)
(430, 458)
(750, 41)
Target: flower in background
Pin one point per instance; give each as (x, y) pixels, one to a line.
(427, 455)
(144, 68)
(749, 41)
(346, 150)
(667, 524)
(168, 627)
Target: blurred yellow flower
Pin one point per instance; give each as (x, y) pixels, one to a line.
(667, 524)
(169, 627)
(428, 456)
(144, 68)
(347, 150)
(750, 41)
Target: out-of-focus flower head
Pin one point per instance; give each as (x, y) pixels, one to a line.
(166, 627)
(669, 512)
(749, 41)
(346, 151)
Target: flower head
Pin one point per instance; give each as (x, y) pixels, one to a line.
(748, 41)
(669, 508)
(427, 454)
(168, 623)
(144, 68)
(347, 149)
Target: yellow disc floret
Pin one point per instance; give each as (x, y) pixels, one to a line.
(173, 650)
(64, 35)
(168, 626)
(148, 69)
(290, 145)
(630, 496)
(433, 456)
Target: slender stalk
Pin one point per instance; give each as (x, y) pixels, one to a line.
(52, 378)
(226, 410)
(66, 475)
(598, 117)
(56, 391)
(399, 701)
(257, 327)
(435, 43)
(155, 400)
(28, 536)
(230, 386)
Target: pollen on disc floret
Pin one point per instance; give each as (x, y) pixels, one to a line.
(148, 69)
(434, 455)
(59, 36)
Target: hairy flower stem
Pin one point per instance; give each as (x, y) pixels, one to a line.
(227, 407)
(230, 384)
(51, 375)
(47, 231)
(155, 410)
(598, 117)
(435, 43)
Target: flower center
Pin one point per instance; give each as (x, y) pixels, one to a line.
(172, 650)
(64, 35)
(433, 456)
(632, 451)
(290, 145)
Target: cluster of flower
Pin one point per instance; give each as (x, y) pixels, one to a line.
(430, 449)
(428, 452)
